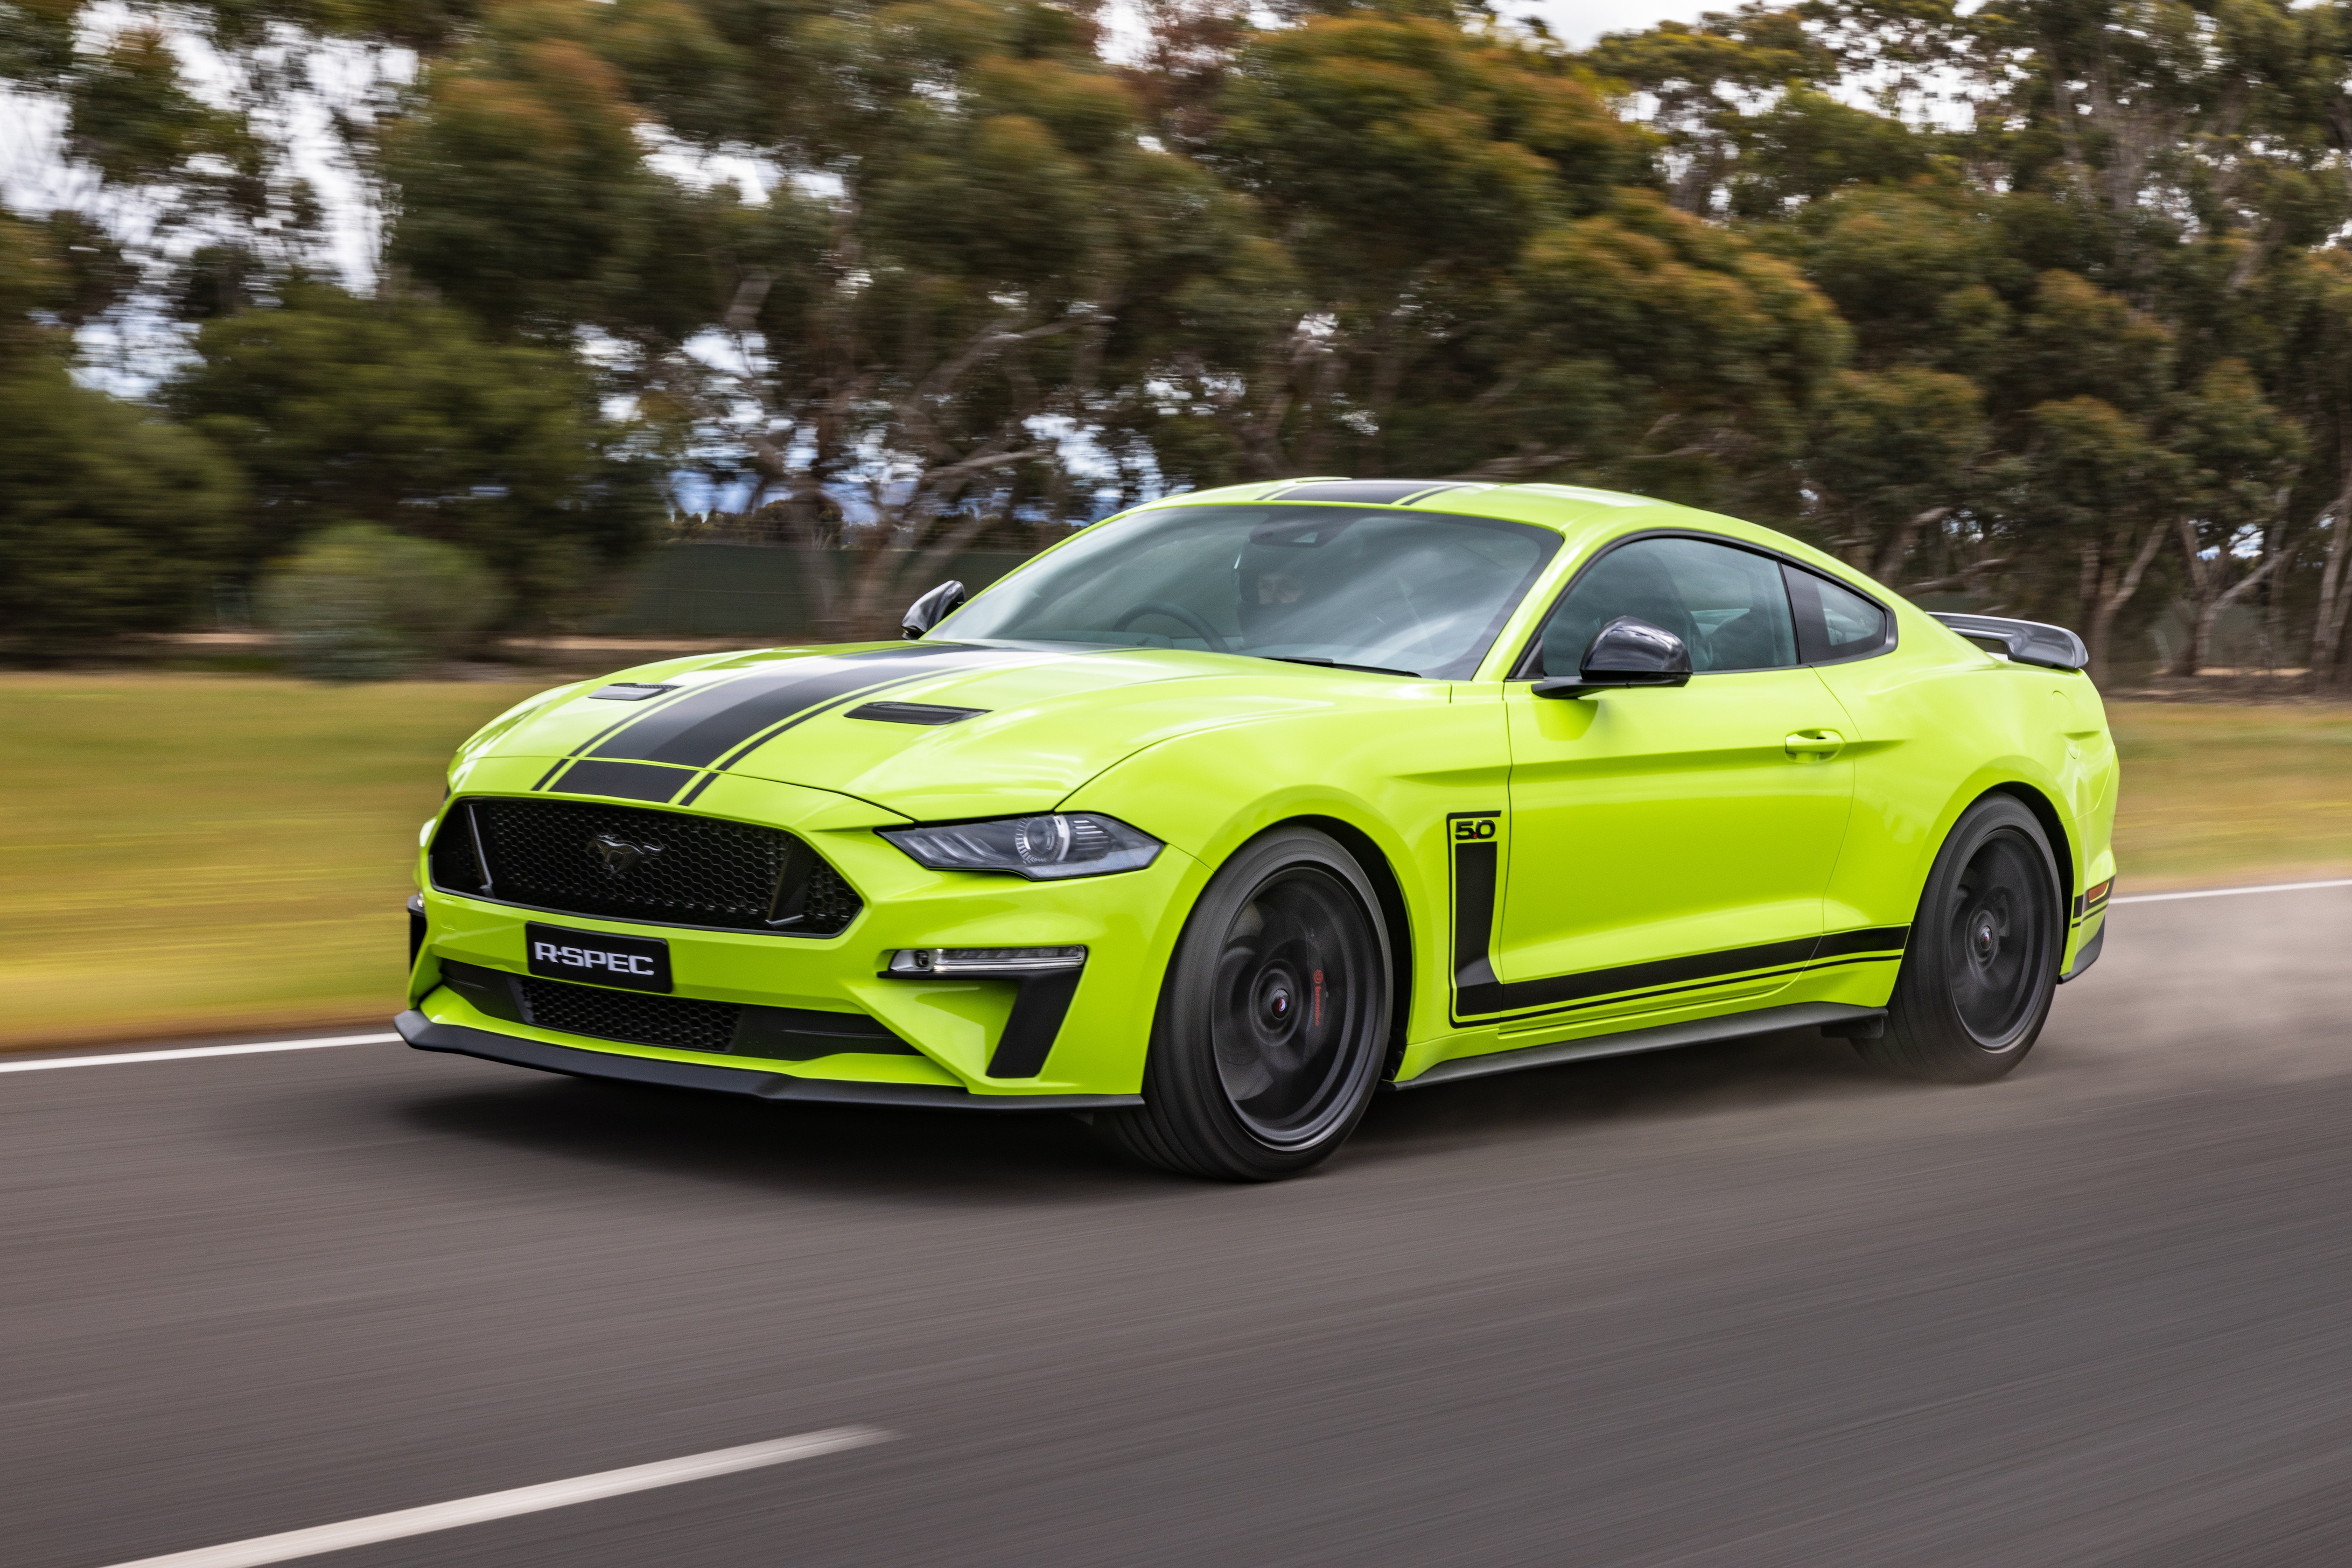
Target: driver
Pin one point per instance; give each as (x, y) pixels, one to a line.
(1278, 590)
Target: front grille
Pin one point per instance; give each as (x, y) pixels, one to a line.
(674, 1023)
(618, 862)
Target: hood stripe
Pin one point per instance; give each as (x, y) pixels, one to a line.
(714, 727)
(625, 780)
(713, 721)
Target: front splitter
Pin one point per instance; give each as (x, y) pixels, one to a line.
(459, 1039)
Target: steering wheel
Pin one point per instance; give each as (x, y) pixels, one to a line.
(1173, 612)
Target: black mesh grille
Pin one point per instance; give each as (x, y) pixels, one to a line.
(622, 863)
(828, 904)
(674, 1023)
(454, 866)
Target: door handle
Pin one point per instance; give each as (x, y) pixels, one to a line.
(1818, 744)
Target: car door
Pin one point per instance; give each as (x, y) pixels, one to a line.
(1666, 845)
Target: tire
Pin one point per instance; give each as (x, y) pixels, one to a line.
(1273, 1020)
(1982, 962)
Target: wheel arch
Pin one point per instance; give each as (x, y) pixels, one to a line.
(2062, 843)
(1395, 913)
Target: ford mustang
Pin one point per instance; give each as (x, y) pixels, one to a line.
(1228, 812)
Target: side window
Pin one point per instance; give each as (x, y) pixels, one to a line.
(1727, 605)
(1834, 622)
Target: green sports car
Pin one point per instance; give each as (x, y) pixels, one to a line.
(1230, 810)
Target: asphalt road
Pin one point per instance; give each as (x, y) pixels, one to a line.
(1739, 1305)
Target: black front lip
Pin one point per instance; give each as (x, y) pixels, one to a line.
(461, 1040)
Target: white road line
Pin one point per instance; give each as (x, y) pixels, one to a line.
(2230, 892)
(117, 1058)
(410, 1521)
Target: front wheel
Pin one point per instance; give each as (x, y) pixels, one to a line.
(1983, 961)
(1272, 1019)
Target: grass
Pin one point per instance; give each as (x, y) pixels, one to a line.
(2216, 794)
(191, 854)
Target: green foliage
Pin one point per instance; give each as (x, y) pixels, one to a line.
(1892, 448)
(402, 415)
(1396, 145)
(2034, 301)
(131, 116)
(111, 521)
(524, 187)
(359, 602)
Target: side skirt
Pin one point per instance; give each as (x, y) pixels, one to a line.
(1664, 1036)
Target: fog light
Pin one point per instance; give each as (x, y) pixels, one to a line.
(984, 963)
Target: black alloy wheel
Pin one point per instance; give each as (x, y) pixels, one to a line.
(1982, 964)
(1273, 1018)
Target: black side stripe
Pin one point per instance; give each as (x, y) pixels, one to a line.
(1477, 994)
(1660, 993)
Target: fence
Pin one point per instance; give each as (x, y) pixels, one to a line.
(759, 591)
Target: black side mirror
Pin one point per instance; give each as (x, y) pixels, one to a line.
(931, 609)
(1628, 651)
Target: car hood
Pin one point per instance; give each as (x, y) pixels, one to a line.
(1026, 724)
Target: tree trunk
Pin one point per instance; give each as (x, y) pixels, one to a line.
(2202, 605)
(2328, 628)
(2114, 595)
(1899, 543)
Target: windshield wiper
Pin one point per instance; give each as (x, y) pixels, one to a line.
(1335, 664)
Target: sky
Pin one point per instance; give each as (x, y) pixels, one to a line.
(1579, 22)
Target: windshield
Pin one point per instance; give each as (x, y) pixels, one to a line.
(1423, 592)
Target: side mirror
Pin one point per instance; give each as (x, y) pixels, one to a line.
(1628, 651)
(931, 609)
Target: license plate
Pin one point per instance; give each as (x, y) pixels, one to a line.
(632, 963)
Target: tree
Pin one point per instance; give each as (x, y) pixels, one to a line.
(970, 272)
(110, 520)
(346, 410)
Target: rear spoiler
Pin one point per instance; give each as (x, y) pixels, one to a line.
(2022, 642)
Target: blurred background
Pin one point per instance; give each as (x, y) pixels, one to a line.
(366, 365)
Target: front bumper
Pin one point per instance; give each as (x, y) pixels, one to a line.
(423, 1033)
(961, 1029)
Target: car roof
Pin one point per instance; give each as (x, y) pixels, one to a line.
(1559, 507)
(1565, 509)
(1584, 515)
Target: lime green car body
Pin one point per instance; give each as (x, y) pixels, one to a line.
(1587, 874)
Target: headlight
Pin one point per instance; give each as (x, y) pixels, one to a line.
(1065, 844)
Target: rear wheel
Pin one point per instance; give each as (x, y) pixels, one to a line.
(1983, 961)
(1272, 1019)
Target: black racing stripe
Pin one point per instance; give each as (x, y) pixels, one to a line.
(1871, 939)
(1662, 992)
(1558, 990)
(803, 717)
(622, 780)
(700, 784)
(1363, 492)
(640, 713)
(805, 714)
(712, 721)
